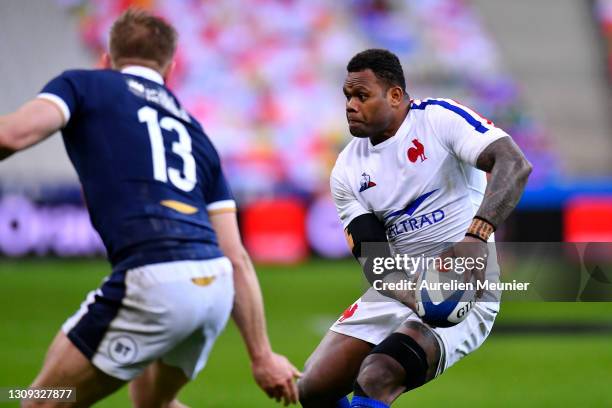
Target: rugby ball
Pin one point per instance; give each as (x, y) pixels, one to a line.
(439, 302)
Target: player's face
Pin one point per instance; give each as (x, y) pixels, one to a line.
(368, 110)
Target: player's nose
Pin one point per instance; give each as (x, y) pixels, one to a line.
(351, 106)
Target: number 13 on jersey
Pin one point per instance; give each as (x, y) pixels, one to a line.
(185, 181)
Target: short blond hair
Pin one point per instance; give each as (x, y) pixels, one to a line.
(138, 34)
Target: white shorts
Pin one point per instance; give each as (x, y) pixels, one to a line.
(374, 319)
(171, 311)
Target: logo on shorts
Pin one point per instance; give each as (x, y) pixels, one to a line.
(122, 349)
(348, 313)
(416, 152)
(203, 281)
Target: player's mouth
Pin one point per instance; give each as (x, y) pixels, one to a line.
(357, 128)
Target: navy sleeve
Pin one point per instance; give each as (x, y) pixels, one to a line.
(62, 92)
(217, 193)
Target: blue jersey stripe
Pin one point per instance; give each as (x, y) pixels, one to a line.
(461, 112)
(411, 207)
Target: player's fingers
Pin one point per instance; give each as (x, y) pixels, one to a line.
(297, 373)
(284, 397)
(269, 392)
(288, 389)
(287, 397)
(276, 395)
(292, 391)
(480, 275)
(448, 252)
(274, 391)
(284, 391)
(280, 393)
(293, 371)
(467, 275)
(444, 257)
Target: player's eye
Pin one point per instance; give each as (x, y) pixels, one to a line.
(362, 97)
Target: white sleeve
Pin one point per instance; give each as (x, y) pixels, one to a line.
(347, 205)
(462, 131)
(59, 104)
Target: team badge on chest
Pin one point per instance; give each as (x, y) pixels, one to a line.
(416, 152)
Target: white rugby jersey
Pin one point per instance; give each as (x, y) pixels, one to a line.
(422, 183)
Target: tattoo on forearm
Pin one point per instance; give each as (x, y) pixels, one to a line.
(509, 172)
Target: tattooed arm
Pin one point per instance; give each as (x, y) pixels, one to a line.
(509, 171)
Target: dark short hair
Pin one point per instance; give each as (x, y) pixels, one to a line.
(139, 34)
(385, 65)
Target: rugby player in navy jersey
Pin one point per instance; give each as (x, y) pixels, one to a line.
(156, 194)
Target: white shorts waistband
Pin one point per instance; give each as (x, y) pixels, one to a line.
(149, 275)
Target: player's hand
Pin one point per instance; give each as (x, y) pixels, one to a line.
(471, 248)
(276, 376)
(407, 297)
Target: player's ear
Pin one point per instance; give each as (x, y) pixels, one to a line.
(169, 70)
(105, 61)
(395, 95)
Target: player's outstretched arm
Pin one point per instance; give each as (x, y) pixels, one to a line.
(272, 372)
(509, 170)
(28, 125)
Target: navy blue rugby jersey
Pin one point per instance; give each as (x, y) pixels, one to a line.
(150, 175)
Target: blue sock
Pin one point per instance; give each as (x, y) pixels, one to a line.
(365, 402)
(343, 403)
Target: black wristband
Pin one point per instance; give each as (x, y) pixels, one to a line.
(478, 217)
(481, 229)
(475, 236)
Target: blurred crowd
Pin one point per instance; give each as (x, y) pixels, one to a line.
(603, 13)
(265, 77)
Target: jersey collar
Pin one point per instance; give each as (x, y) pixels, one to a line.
(145, 72)
(403, 129)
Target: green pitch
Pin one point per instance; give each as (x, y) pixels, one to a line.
(301, 301)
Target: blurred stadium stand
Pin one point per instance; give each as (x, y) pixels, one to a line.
(551, 47)
(603, 14)
(39, 40)
(265, 80)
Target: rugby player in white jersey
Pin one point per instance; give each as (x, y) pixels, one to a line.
(414, 176)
